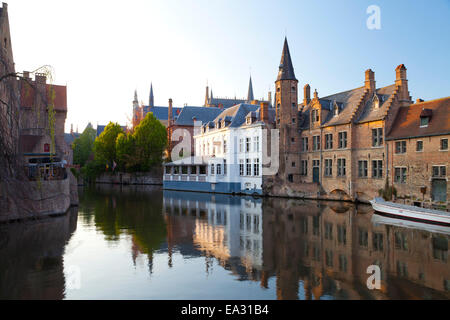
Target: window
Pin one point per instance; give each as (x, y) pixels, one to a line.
(212, 169)
(329, 258)
(224, 146)
(315, 115)
(401, 241)
(377, 168)
(328, 167)
(176, 170)
(304, 167)
(293, 119)
(328, 231)
(316, 143)
(46, 147)
(362, 168)
(304, 144)
(400, 175)
(292, 140)
(341, 167)
(202, 169)
(400, 147)
(290, 178)
(329, 141)
(342, 234)
(248, 166)
(293, 164)
(444, 144)
(439, 171)
(342, 140)
(419, 146)
(342, 263)
(225, 167)
(241, 145)
(424, 121)
(184, 170)
(256, 167)
(377, 241)
(377, 137)
(247, 144)
(194, 170)
(241, 167)
(363, 237)
(256, 144)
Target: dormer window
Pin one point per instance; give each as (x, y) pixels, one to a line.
(249, 120)
(376, 102)
(425, 117)
(315, 115)
(335, 109)
(424, 121)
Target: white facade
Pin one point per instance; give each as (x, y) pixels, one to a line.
(235, 154)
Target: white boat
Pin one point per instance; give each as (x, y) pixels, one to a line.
(403, 211)
(378, 219)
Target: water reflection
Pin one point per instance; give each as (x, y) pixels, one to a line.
(31, 257)
(139, 242)
(314, 250)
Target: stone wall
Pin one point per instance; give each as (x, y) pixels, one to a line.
(154, 177)
(37, 199)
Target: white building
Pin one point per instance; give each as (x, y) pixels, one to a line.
(228, 154)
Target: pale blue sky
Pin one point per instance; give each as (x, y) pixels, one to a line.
(104, 50)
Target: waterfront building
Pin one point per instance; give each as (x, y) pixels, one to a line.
(228, 153)
(419, 152)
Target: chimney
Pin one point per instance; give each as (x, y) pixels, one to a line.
(26, 74)
(370, 80)
(207, 96)
(264, 112)
(269, 97)
(402, 82)
(169, 116)
(40, 78)
(306, 94)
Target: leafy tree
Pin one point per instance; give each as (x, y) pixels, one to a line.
(83, 146)
(150, 140)
(125, 152)
(105, 144)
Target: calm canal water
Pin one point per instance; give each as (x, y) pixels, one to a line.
(141, 242)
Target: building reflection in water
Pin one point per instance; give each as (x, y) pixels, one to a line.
(31, 257)
(315, 250)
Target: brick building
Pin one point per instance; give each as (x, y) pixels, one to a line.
(419, 154)
(335, 147)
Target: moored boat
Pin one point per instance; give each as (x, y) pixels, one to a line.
(403, 211)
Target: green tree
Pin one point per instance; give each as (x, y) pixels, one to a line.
(125, 152)
(150, 140)
(83, 146)
(105, 144)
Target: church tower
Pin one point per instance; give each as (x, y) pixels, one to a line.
(151, 102)
(286, 108)
(136, 110)
(250, 91)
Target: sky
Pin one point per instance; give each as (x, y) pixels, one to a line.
(104, 50)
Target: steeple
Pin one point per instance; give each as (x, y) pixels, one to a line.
(151, 99)
(135, 101)
(250, 91)
(211, 94)
(286, 70)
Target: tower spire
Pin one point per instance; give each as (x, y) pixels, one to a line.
(250, 91)
(151, 99)
(286, 70)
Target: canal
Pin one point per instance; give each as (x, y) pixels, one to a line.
(140, 242)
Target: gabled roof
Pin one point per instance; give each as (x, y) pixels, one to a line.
(203, 114)
(370, 112)
(407, 122)
(237, 114)
(162, 112)
(286, 70)
(226, 103)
